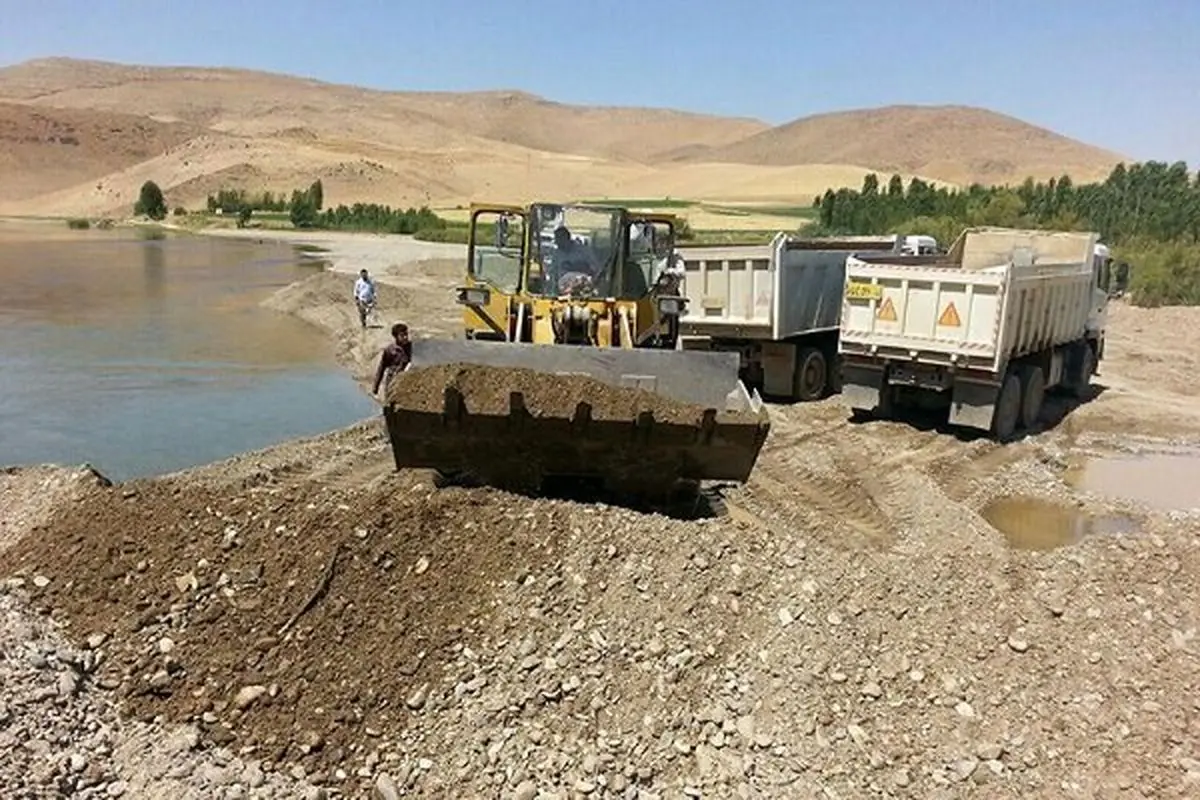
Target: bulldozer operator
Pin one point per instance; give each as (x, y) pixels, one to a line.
(572, 264)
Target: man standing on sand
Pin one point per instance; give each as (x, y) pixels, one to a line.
(364, 296)
(395, 357)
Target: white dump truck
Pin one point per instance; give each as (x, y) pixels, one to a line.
(778, 305)
(987, 328)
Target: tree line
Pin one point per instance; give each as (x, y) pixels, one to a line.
(1148, 212)
(306, 209)
(232, 201)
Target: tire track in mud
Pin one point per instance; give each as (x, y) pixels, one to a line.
(809, 472)
(871, 480)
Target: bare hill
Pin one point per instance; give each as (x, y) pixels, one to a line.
(260, 103)
(194, 130)
(45, 149)
(958, 144)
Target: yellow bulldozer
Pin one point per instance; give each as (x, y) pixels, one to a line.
(581, 289)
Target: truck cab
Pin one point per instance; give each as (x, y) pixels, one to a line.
(1102, 263)
(919, 245)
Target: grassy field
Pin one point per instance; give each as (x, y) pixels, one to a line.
(710, 223)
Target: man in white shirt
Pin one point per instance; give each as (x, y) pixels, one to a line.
(364, 296)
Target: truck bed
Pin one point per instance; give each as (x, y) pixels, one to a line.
(997, 296)
(788, 288)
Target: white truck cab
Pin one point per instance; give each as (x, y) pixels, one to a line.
(919, 245)
(1101, 277)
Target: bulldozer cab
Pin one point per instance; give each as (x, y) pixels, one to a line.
(521, 258)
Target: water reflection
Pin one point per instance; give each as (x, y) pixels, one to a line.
(154, 265)
(1030, 523)
(142, 355)
(1167, 480)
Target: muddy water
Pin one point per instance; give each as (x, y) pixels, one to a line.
(142, 356)
(1165, 481)
(1032, 524)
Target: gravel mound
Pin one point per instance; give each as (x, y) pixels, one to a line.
(486, 390)
(61, 731)
(473, 643)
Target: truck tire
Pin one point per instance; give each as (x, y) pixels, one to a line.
(1033, 395)
(810, 378)
(1007, 412)
(1082, 377)
(886, 409)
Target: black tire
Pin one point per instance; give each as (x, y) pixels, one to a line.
(1033, 395)
(1007, 412)
(835, 375)
(886, 408)
(1083, 374)
(811, 376)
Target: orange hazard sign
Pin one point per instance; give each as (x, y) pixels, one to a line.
(949, 317)
(887, 311)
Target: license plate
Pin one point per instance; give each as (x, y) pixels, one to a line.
(864, 291)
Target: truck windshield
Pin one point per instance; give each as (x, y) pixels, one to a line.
(574, 250)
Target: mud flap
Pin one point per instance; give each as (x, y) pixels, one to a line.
(860, 386)
(973, 404)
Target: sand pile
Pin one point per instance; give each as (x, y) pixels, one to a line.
(487, 389)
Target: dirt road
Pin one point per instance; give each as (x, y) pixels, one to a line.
(855, 626)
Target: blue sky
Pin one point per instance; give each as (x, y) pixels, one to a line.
(1122, 75)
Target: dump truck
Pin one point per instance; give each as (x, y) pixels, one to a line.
(985, 330)
(777, 306)
(579, 290)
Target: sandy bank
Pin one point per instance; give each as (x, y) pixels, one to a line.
(350, 252)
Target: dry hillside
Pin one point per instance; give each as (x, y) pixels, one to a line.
(45, 148)
(194, 130)
(955, 143)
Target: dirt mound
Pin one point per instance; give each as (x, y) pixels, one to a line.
(268, 618)
(30, 495)
(487, 390)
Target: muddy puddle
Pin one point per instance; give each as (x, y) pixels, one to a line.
(1166, 481)
(1032, 524)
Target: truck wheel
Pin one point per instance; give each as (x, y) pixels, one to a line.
(810, 378)
(1083, 377)
(1007, 412)
(1033, 394)
(835, 376)
(886, 409)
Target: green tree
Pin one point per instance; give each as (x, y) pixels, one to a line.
(301, 210)
(151, 202)
(316, 193)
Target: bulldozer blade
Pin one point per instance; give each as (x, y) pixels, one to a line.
(642, 456)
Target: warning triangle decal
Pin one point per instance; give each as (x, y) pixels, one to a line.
(949, 317)
(887, 311)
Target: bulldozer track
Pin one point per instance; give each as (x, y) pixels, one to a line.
(840, 500)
